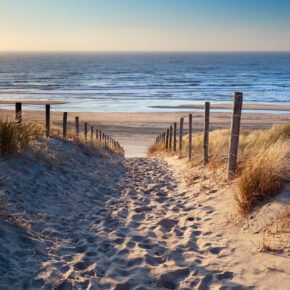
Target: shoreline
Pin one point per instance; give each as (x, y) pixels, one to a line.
(137, 131)
(246, 106)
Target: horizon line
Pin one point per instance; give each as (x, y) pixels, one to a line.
(145, 51)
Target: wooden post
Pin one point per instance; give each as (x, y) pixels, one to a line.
(100, 132)
(18, 113)
(180, 133)
(97, 134)
(235, 132)
(77, 125)
(189, 136)
(167, 137)
(47, 120)
(174, 137)
(103, 137)
(206, 131)
(170, 138)
(92, 133)
(86, 131)
(64, 124)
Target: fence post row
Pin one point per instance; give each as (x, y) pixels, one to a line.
(235, 132)
(190, 136)
(107, 140)
(180, 133)
(64, 125)
(47, 120)
(206, 131)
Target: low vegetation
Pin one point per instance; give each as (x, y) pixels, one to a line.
(13, 137)
(262, 160)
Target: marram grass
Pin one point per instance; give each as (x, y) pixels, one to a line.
(13, 138)
(263, 159)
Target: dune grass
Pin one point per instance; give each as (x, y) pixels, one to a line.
(263, 158)
(155, 148)
(13, 138)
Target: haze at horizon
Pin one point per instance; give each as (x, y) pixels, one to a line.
(129, 25)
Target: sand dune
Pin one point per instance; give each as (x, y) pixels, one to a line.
(74, 219)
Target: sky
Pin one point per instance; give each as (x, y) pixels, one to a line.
(144, 25)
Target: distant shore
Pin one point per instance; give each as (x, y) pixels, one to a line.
(256, 106)
(137, 131)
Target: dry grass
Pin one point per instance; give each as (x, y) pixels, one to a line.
(276, 238)
(263, 160)
(263, 175)
(13, 138)
(156, 148)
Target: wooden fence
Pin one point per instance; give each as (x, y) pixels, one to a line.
(99, 136)
(165, 137)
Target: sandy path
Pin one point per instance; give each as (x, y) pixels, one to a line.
(158, 241)
(95, 223)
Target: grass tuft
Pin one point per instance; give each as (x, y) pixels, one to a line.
(263, 175)
(262, 160)
(155, 148)
(13, 137)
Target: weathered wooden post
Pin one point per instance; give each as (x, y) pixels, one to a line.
(64, 124)
(180, 133)
(170, 138)
(18, 113)
(47, 120)
(103, 137)
(92, 133)
(190, 136)
(100, 138)
(235, 132)
(174, 136)
(167, 137)
(86, 131)
(206, 131)
(97, 134)
(77, 125)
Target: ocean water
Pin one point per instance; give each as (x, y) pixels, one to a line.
(133, 82)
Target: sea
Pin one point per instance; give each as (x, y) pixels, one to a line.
(136, 82)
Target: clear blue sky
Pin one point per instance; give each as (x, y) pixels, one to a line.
(145, 25)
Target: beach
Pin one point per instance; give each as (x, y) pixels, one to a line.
(144, 145)
(137, 131)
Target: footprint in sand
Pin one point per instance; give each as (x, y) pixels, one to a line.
(170, 280)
